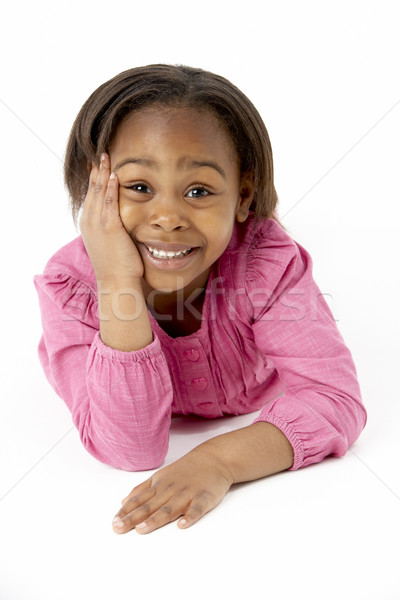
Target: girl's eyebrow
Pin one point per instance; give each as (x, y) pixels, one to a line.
(186, 162)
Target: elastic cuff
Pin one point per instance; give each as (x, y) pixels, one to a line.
(290, 434)
(153, 349)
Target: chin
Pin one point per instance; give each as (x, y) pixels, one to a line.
(163, 286)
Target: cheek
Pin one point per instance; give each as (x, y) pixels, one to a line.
(126, 212)
(220, 223)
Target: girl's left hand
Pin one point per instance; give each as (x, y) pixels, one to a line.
(189, 487)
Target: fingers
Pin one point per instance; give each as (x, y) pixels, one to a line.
(199, 506)
(165, 514)
(110, 204)
(137, 508)
(102, 191)
(148, 511)
(137, 489)
(97, 182)
(103, 175)
(133, 511)
(176, 507)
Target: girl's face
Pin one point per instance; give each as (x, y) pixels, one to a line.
(179, 185)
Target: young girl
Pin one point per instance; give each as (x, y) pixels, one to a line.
(185, 295)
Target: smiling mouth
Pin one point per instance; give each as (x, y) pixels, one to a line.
(163, 254)
(165, 260)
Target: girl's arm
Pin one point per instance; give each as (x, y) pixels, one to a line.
(252, 452)
(115, 382)
(116, 263)
(320, 409)
(120, 401)
(124, 318)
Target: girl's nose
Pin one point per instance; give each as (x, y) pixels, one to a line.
(167, 214)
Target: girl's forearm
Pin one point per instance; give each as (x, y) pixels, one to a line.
(123, 315)
(252, 452)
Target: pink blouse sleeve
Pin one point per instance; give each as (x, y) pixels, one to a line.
(120, 402)
(320, 410)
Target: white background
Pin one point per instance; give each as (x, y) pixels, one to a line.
(325, 77)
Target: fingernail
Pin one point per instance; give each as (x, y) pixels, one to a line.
(102, 157)
(117, 522)
(141, 525)
(182, 522)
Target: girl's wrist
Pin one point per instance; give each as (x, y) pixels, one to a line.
(251, 452)
(118, 282)
(123, 315)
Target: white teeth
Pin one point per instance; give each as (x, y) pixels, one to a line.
(163, 254)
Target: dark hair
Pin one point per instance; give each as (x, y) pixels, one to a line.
(170, 85)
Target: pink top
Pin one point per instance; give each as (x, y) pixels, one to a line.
(267, 341)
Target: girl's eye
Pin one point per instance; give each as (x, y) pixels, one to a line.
(142, 188)
(139, 187)
(198, 192)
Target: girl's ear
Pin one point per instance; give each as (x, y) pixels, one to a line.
(246, 195)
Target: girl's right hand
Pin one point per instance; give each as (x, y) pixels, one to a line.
(112, 252)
